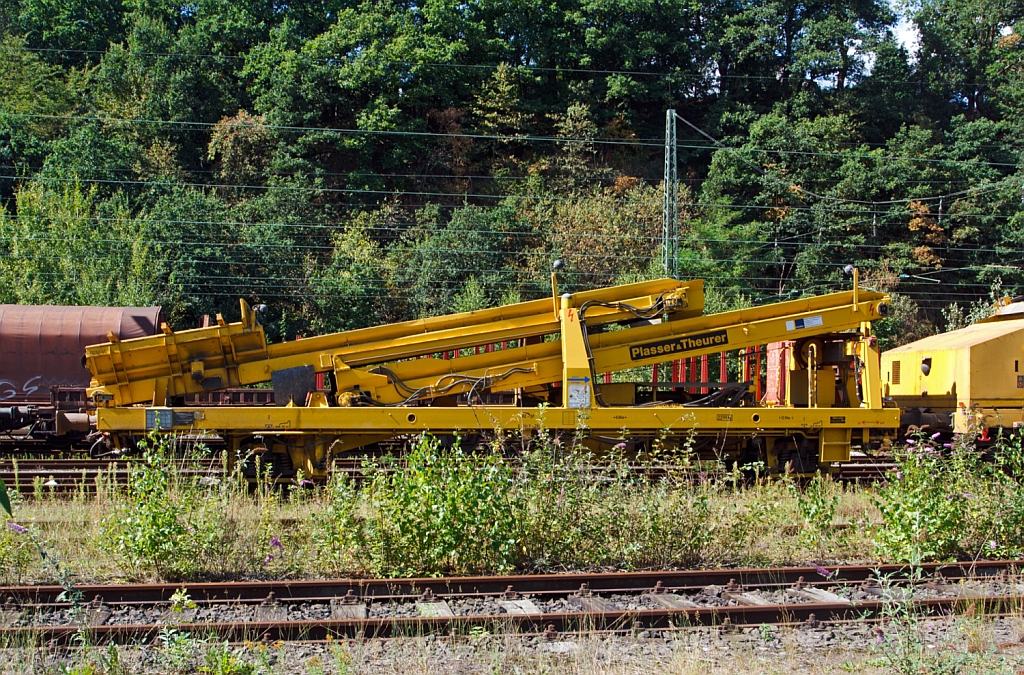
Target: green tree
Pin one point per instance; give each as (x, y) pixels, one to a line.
(436, 258)
(32, 94)
(348, 291)
(67, 246)
(74, 32)
(959, 44)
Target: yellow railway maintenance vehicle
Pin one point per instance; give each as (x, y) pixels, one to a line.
(521, 368)
(971, 379)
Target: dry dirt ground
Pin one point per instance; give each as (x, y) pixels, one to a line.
(954, 645)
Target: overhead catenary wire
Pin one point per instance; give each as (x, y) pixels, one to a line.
(233, 281)
(484, 66)
(499, 137)
(854, 208)
(414, 227)
(596, 176)
(234, 262)
(540, 251)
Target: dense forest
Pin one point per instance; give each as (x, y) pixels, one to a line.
(352, 162)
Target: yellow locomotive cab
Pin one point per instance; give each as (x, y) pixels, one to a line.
(968, 378)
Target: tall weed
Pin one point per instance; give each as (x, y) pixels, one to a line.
(560, 499)
(948, 500)
(817, 502)
(572, 518)
(163, 522)
(336, 529)
(654, 526)
(15, 553)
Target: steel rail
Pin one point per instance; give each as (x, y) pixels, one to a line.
(721, 617)
(75, 474)
(564, 584)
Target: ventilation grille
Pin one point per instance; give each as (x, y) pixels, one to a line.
(895, 372)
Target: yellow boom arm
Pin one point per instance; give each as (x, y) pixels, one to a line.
(159, 368)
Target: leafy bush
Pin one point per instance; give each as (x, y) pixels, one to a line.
(922, 504)
(165, 522)
(447, 512)
(947, 499)
(1003, 533)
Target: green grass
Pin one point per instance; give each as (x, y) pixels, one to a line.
(445, 511)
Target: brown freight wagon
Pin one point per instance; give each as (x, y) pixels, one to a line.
(41, 346)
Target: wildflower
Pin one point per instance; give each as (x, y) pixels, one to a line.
(822, 571)
(14, 527)
(305, 483)
(268, 558)
(936, 435)
(899, 474)
(619, 446)
(948, 446)
(992, 545)
(276, 543)
(911, 441)
(968, 495)
(880, 637)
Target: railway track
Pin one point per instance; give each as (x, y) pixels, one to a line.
(73, 475)
(49, 476)
(811, 597)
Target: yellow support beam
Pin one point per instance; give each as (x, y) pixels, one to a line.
(715, 333)
(577, 383)
(412, 420)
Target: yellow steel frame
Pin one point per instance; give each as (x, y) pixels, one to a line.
(154, 370)
(337, 430)
(412, 420)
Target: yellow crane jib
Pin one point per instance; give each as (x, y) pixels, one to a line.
(158, 369)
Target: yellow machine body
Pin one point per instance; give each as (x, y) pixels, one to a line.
(520, 368)
(974, 374)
